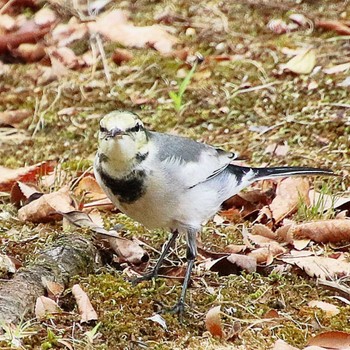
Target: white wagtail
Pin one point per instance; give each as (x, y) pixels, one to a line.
(171, 182)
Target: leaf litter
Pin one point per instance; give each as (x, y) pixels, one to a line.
(277, 208)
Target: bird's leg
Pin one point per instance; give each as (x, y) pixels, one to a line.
(191, 254)
(154, 273)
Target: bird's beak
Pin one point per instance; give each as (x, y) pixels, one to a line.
(114, 132)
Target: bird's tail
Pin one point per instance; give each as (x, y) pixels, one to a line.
(251, 174)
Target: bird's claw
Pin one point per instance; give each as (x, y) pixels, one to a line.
(178, 308)
(146, 277)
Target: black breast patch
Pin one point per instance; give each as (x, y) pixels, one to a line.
(129, 188)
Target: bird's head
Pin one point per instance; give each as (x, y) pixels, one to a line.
(122, 136)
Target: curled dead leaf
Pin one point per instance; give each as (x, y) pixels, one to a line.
(324, 231)
(8, 177)
(86, 310)
(321, 267)
(14, 117)
(45, 306)
(289, 193)
(213, 322)
(332, 339)
(232, 264)
(90, 189)
(48, 207)
(116, 27)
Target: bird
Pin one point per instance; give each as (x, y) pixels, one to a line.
(171, 182)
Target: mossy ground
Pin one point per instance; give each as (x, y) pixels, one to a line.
(220, 109)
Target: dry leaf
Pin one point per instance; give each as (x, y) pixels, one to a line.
(235, 248)
(89, 187)
(127, 250)
(158, 319)
(66, 57)
(300, 244)
(213, 322)
(324, 231)
(121, 56)
(21, 192)
(262, 230)
(332, 339)
(86, 310)
(44, 306)
(282, 345)
(14, 117)
(302, 63)
(321, 267)
(265, 255)
(335, 25)
(329, 309)
(337, 69)
(6, 265)
(30, 52)
(277, 150)
(8, 177)
(231, 264)
(289, 193)
(44, 17)
(115, 26)
(271, 314)
(48, 207)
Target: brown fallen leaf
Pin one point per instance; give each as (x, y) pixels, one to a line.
(127, 250)
(90, 189)
(30, 52)
(121, 56)
(86, 310)
(8, 177)
(324, 231)
(289, 193)
(337, 26)
(116, 27)
(21, 192)
(231, 264)
(265, 255)
(45, 306)
(329, 309)
(272, 313)
(54, 289)
(262, 230)
(302, 63)
(332, 339)
(48, 207)
(14, 117)
(321, 267)
(213, 322)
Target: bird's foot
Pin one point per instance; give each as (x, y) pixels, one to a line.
(178, 308)
(146, 277)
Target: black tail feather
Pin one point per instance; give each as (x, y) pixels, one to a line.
(270, 173)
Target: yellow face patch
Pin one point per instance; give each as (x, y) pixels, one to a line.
(122, 120)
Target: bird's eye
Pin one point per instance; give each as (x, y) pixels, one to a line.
(136, 128)
(102, 129)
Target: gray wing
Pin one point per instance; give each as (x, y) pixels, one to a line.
(193, 162)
